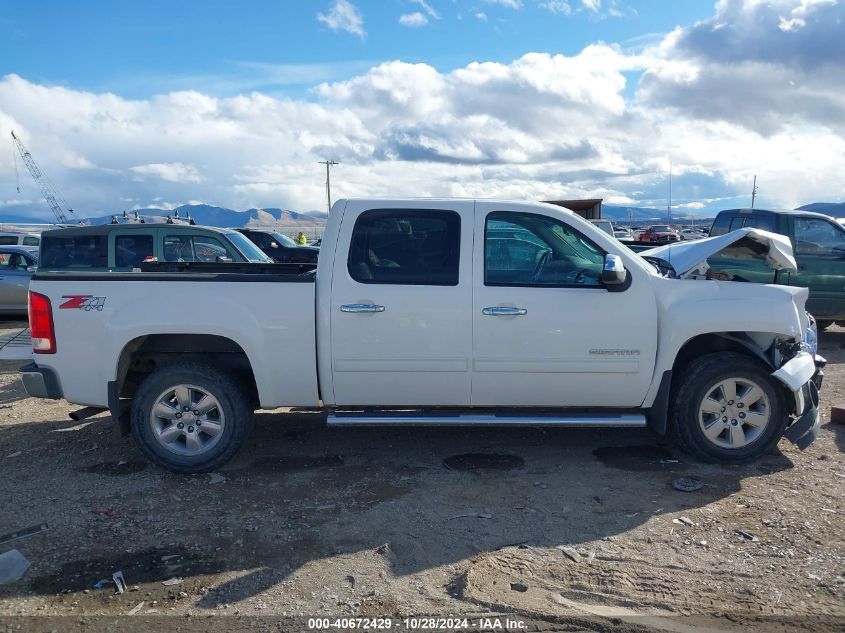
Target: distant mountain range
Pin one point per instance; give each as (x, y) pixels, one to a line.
(207, 215)
(210, 215)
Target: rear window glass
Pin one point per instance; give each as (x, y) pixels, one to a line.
(29, 240)
(74, 252)
(720, 226)
(406, 246)
(8, 240)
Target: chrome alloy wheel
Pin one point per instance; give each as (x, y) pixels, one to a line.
(187, 420)
(734, 412)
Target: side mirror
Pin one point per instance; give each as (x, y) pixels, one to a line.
(614, 272)
(31, 269)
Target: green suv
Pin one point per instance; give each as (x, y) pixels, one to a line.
(126, 246)
(818, 243)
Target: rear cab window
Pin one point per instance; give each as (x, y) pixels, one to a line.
(74, 252)
(406, 246)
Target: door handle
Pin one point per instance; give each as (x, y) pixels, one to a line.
(500, 311)
(361, 307)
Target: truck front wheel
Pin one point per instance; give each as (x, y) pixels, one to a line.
(727, 408)
(190, 417)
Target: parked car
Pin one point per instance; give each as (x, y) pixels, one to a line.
(17, 263)
(818, 243)
(424, 312)
(692, 234)
(623, 234)
(604, 225)
(126, 246)
(281, 248)
(20, 239)
(660, 233)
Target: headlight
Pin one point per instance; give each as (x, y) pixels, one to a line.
(811, 336)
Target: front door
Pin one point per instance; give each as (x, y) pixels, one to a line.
(819, 247)
(546, 332)
(401, 330)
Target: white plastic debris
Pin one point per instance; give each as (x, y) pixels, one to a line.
(13, 566)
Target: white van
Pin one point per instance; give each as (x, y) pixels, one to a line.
(20, 239)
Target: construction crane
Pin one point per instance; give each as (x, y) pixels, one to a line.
(56, 202)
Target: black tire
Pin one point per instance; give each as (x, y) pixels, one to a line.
(234, 404)
(822, 325)
(695, 382)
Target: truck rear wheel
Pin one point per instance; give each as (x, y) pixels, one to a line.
(727, 408)
(190, 417)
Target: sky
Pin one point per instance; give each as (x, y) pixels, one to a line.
(130, 105)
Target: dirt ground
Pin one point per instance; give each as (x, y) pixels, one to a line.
(556, 530)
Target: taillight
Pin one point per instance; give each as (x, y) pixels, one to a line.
(41, 324)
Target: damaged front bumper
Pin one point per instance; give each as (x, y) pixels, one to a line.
(803, 375)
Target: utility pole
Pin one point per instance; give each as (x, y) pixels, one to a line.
(328, 164)
(669, 206)
(754, 191)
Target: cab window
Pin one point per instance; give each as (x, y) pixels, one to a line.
(525, 249)
(814, 236)
(131, 250)
(13, 261)
(179, 247)
(406, 246)
(31, 240)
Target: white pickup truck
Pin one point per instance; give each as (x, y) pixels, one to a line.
(437, 312)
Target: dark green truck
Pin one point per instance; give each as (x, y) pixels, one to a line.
(818, 243)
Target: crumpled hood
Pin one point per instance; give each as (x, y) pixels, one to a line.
(752, 244)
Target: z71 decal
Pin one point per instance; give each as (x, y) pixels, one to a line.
(82, 302)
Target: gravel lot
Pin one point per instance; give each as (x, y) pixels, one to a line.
(561, 529)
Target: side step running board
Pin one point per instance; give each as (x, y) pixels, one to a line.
(626, 420)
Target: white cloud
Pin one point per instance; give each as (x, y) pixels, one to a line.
(344, 16)
(591, 5)
(510, 4)
(714, 97)
(171, 172)
(413, 20)
(480, 15)
(557, 6)
(431, 11)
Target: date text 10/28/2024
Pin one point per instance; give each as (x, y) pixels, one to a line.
(418, 624)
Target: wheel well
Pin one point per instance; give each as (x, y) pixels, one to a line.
(714, 342)
(145, 354)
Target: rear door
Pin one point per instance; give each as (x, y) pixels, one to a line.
(401, 330)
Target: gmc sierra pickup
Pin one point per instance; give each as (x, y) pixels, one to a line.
(436, 312)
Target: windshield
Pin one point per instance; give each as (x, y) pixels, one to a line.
(249, 250)
(662, 228)
(284, 240)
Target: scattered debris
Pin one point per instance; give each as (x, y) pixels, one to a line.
(170, 582)
(831, 510)
(108, 512)
(15, 454)
(13, 566)
(472, 515)
(29, 531)
(748, 536)
(669, 461)
(598, 500)
(703, 543)
(105, 582)
(119, 582)
(684, 521)
(170, 557)
(350, 580)
(216, 478)
(518, 586)
(135, 609)
(570, 553)
(687, 484)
